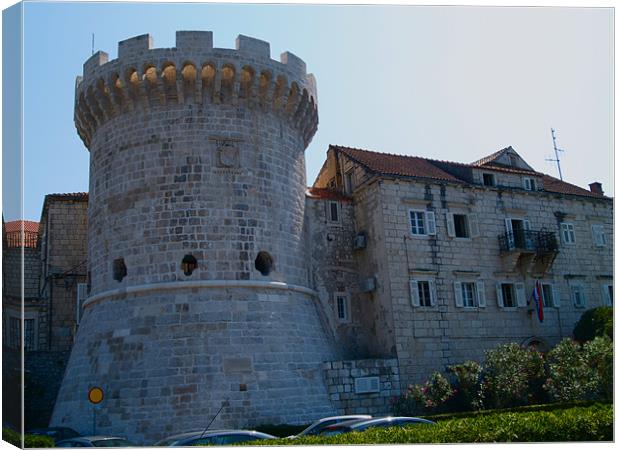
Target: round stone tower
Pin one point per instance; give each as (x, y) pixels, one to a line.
(198, 292)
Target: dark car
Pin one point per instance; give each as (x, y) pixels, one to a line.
(214, 437)
(56, 433)
(95, 441)
(361, 425)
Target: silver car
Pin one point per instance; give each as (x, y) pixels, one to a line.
(317, 427)
(361, 425)
(213, 437)
(95, 441)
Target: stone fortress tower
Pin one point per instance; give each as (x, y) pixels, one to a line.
(197, 259)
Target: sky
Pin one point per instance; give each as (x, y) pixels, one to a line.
(449, 83)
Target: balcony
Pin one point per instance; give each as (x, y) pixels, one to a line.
(529, 251)
(528, 241)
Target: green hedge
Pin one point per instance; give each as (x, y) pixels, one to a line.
(595, 322)
(30, 440)
(592, 423)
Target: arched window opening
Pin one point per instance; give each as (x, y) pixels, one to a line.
(188, 264)
(119, 269)
(264, 263)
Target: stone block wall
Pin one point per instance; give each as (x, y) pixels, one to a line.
(341, 376)
(12, 267)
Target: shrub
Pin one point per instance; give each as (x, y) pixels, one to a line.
(467, 384)
(570, 378)
(598, 355)
(513, 376)
(595, 322)
(30, 440)
(432, 395)
(593, 423)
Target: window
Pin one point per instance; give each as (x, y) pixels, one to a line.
(469, 294)
(529, 184)
(422, 222)
(551, 298)
(348, 182)
(29, 342)
(333, 212)
(462, 225)
(423, 293)
(488, 179)
(342, 307)
(598, 235)
(568, 233)
(578, 295)
(510, 295)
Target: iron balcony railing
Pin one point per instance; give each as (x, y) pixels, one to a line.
(535, 241)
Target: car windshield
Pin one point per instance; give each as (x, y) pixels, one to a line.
(112, 443)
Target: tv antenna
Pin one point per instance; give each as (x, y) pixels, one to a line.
(557, 154)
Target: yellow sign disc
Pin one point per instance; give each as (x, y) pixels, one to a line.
(95, 395)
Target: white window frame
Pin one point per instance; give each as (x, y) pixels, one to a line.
(328, 212)
(555, 295)
(430, 227)
(529, 183)
(598, 235)
(567, 230)
(479, 294)
(471, 224)
(415, 293)
(575, 289)
(607, 299)
(346, 303)
(518, 289)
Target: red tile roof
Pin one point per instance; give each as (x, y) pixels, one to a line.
(401, 165)
(561, 187)
(16, 226)
(326, 194)
(414, 166)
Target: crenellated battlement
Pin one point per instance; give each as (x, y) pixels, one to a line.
(143, 77)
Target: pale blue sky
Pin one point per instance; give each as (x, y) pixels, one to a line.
(452, 83)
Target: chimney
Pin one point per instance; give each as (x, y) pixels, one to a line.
(596, 188)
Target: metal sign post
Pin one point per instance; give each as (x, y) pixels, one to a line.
(95, 396)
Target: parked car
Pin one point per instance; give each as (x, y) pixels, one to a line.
(56, 433)
(361, 425)
(214, 437)
(316, 427)
(95, 441)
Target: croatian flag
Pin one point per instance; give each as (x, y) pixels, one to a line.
(537, 296)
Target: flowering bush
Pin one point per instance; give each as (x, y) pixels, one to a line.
(570, 378)
(432, 395)
(513, 376)
(467, 384)
(598, 355)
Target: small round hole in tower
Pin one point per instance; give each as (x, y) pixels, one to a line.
(264, 263)
(188, 264)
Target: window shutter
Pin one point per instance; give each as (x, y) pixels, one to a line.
(413, 288)
(450, 224)
(430, 223)
(606, 299)
(458, 295)
(500, 298)
(556, 296)
(433, 289)
(482, 301)
(526, 225)
(520, 292)
(526, 183)
(598, 235)
(508, 223)
(473, 225)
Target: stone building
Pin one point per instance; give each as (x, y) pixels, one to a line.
(221, 286)
(51, 255)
